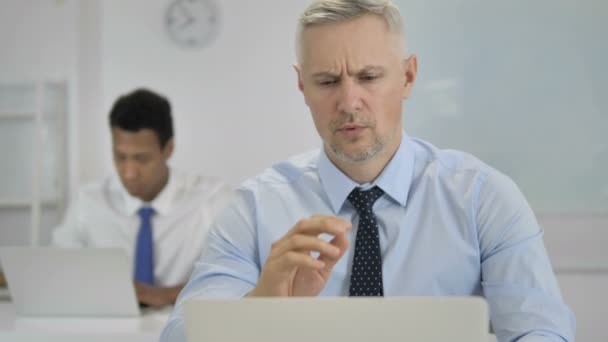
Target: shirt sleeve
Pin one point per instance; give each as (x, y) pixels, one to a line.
(222, 197)
(70, 233)
(228, 266)
(517, 276)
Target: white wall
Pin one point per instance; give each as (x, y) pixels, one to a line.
(519, 84)
(89, 124)
(60, 40)
(38, 41)
(236, 104)
(38, 38)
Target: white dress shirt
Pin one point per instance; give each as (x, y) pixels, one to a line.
(105, 215)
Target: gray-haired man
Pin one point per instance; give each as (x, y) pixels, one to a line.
(405, 218)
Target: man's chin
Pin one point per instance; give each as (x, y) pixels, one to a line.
(355, 155)
(133, 192)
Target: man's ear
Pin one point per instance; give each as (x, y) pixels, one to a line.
(410, 68)
(167, 151)
(298, 70)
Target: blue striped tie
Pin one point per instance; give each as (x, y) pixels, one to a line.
(144, 250)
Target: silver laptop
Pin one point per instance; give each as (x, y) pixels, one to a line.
(428, 319)
(74, 282)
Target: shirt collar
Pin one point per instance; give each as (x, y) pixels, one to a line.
(395, 180)
(162, 202)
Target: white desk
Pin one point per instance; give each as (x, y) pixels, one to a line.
(143, 329)
(20, 329)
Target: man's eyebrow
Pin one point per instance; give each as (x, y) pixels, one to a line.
(321, 74)
(364, 70)
(371, 69)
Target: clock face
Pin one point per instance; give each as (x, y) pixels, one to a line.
(192, 23)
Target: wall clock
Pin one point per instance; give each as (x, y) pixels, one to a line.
(192, 23)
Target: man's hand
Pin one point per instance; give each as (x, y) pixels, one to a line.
(291, 270)
(156, 296)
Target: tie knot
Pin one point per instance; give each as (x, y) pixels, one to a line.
(364, 199)
(145, 212)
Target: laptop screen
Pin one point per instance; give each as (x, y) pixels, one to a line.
(49, 281)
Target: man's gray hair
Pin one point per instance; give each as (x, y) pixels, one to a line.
(335, 11)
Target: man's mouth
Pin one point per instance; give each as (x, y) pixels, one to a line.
(351, 130)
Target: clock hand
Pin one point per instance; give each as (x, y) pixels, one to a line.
(189, 21)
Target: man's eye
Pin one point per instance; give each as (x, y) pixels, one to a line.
(369, 77)
(327, 82)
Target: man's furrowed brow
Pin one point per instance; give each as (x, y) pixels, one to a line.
(322, 74)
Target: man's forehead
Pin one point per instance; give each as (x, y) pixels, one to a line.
(359, 42)
(133, 148)
(349, 58)
(143, 139)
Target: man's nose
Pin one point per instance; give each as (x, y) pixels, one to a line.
(349, 100)
(130, 170)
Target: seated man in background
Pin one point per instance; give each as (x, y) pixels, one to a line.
(375, 212)
(158, 215)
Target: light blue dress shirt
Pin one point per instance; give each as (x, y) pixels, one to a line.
(449, 225)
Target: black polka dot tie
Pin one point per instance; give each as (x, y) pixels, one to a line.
(366, 276)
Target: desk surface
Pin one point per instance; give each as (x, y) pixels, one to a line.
(138, 329)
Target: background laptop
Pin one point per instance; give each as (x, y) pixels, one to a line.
(69, 282)
(419, 319)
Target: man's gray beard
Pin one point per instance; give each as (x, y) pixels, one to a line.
(359, 157)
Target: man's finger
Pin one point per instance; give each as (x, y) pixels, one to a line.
(291, 260)
(320, 224)
(341, 243)
(305, 244)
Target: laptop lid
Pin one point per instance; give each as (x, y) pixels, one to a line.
(50, 281)
(428, 319)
